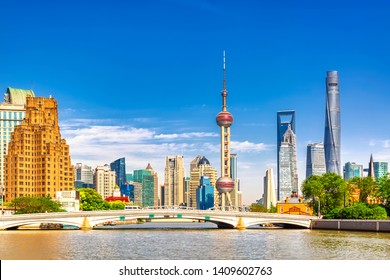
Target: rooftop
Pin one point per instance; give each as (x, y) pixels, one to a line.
(17, 96)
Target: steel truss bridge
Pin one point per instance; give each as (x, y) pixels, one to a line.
(223, 218)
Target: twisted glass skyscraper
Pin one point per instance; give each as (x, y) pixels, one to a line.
(332, 124)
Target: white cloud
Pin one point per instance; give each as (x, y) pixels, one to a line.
(386, 143)
(247, 146)
(186, 135)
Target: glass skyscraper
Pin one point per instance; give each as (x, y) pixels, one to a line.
(119, 166)
(315, 160)
(332, 124)
(353, 170)
(205, 194)
(285, 121)
(380, 169)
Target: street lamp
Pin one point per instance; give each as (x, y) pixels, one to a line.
(319, 206)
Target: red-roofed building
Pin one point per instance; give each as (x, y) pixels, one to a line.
(115, 198)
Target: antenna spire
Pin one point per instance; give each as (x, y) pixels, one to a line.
(224, 71)
(224, 91)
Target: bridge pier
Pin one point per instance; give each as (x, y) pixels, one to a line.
(86, 225)
(240, 224)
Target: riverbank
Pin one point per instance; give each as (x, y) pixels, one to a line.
(354, 225)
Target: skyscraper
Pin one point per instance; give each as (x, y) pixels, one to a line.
(104, 180)
(205, 194)
(332, 124)
(225, 184)
(315, 160)
(381, 169)
(284, 119)
(119, 166)
(377, 169)
(174, 180)
(236, 193)
(200, 166)
(155, 185)
(38, 160)
(353, 170)
(269, 189)
(149, 181)
(288, 175)
(12, 112)
(83, 176)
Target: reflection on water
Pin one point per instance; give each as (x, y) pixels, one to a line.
(192, 241)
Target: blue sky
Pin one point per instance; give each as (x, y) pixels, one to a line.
(142, 79)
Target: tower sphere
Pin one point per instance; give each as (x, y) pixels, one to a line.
(224, 119)
(225, 185)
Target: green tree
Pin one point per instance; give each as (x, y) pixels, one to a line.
(328, 191)
(90, 200)
(116, 205)
(27, 205)
(366, 186)
(383, 192)
(358, 211)
(255, 207)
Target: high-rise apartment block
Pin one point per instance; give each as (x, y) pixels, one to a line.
(315, 160)
(285, 121)
(332, 124)
(353, 170)
(119, 166)
(174, 180)
(83, 176)
(288, 175)
(38, 160)
(200, 166)
(104, 180)
(12, 112)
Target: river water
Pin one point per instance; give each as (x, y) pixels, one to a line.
(192, 241)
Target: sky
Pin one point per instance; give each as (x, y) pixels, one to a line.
(143, 79)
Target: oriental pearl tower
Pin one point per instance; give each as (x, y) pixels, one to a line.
(225, 183)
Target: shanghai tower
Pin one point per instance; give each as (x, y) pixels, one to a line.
(332, 124)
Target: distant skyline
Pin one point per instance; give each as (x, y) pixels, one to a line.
(143, 79)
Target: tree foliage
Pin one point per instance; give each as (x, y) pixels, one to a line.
(255, 207)
(326, 192)
(116, 205)
(383, 192)
(90, 200)
(366, 186)
(28, 205)
(358, 211)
